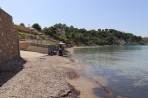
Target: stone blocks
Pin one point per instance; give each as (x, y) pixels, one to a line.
(9, 43)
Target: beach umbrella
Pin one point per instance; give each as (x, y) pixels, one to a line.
(61, 43)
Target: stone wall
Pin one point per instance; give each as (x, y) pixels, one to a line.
(24, 45)
(9, 44)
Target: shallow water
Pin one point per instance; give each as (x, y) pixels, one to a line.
(122, 69)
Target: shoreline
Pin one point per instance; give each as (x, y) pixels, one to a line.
(52, 76)
(89, 87)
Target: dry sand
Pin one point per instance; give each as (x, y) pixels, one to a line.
(29, 55)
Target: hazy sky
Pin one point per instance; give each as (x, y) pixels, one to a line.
(124, 15)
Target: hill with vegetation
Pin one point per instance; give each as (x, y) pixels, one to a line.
(82, 37)
(146, 40)
(29, 33)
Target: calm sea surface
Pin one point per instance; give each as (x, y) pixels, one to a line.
(122, 69)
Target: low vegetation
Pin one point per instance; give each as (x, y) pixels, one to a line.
(24, 29)
(31, 33)
(23, 35)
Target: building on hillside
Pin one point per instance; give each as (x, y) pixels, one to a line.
(9, 43)
(61, 31)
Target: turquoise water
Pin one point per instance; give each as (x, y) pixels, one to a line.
(122, 69)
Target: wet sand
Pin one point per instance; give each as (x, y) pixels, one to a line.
(89, 87)
(84, 86)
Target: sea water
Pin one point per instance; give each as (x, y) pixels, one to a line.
(122, 69)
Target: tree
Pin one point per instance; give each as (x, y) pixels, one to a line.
(50, 31)
(22, 24)
(37, 26)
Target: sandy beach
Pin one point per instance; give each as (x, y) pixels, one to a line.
(43, 76)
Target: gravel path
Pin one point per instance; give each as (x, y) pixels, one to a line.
(41, 77)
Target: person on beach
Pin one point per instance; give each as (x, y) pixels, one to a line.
(61, 50)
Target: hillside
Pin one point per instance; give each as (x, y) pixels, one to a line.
(82, 37)
(30, 34)
(79, 37)
(146, 40)
(25, 29)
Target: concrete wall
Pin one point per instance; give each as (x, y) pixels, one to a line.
(9, 46)
(38, 48)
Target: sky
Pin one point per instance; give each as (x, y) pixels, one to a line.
(124, 15)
